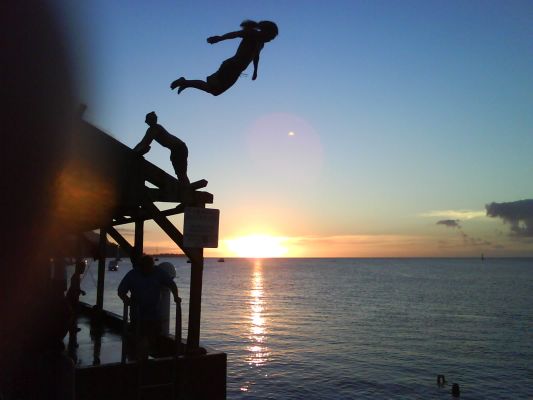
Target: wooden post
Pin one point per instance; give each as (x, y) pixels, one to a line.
(138, 245)
(102, 247)
(195, 302)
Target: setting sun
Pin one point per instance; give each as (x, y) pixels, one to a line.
(257, 246)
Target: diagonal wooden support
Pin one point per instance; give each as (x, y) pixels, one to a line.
(168, 228)
(122, 242)
(139, 241)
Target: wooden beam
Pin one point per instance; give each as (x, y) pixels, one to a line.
(122, 242)
(176, 192)
(139, 241)
(203, 198)
(167, 227)
(157, 176)
(167, 196)
(179, 209)
(202, 183)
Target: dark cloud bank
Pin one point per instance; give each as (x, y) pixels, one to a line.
(518, 214)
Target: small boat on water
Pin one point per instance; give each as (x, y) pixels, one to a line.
(113, 265)
(221, 260)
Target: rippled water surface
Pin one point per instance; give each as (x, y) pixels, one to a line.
(364, 328)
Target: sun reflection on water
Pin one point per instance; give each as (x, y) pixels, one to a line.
(258, 353)
(257, 350)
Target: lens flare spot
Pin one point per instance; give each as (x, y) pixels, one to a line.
(271, 152)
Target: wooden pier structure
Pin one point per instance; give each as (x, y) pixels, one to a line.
(104, 185)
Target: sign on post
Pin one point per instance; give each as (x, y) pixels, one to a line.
(200, 227)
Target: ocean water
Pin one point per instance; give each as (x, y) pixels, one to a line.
(363, 328)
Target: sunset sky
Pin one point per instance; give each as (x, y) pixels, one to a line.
(374, 129)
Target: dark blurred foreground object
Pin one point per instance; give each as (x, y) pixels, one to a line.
(37, 113)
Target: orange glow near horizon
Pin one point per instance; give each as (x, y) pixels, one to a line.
(257, 246)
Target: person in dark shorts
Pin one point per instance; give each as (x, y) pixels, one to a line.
(254, 35)
(144, 283)
(178, 149)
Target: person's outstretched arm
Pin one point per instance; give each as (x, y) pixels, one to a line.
(230, 35)
(144, 145)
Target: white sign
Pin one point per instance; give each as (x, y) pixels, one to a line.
(200, 227)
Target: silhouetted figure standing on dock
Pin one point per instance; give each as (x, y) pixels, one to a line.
(74, 290)
(178, 149)
(254, 35)
(73, 299)
(145, 283)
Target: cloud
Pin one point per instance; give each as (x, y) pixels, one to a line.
(472, 241)
(450, 223)
(518, 214)
(467, 239)
(454, 214)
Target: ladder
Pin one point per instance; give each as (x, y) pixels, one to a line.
(143, 363)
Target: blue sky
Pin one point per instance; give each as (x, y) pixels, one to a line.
(403, 113)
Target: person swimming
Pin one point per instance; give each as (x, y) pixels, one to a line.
(254, 35)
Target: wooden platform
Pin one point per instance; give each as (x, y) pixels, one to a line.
(94, 349)
(105, 184)
(101, 375)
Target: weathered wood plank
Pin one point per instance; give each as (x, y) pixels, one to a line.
(202, 198)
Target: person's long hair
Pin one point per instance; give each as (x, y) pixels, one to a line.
(269, 28)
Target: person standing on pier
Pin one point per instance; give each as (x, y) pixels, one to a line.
(73, 299)
(178, 149)
(145, 282)
(254, 35)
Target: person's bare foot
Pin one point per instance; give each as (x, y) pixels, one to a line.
(177, 83)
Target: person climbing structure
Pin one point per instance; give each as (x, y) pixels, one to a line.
(178, 149)
(254, 36)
